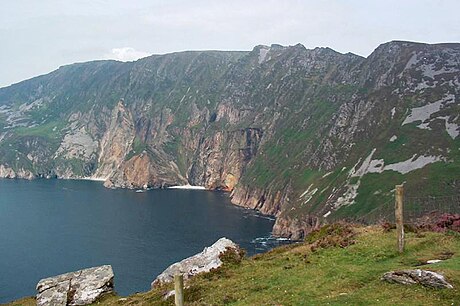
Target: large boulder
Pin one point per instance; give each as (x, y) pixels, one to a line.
(199, 263)
(75, 288)
(423, 277)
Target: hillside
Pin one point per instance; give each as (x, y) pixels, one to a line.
(304, 135)
(338, 265)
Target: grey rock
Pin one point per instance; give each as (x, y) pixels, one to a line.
(169, 294)
(423, 277)
(82, 287)
(199, 263)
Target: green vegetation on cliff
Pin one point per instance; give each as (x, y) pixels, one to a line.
(285, 128)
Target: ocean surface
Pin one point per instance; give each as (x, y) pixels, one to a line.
(50, 227)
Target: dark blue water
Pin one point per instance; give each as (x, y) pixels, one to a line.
(49, 227)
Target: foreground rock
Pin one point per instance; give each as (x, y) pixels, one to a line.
(75, 288)
(199, 263)
(423, 277)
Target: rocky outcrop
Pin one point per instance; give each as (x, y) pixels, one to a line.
(295, 228)
(422, 277)
(7, 172)
(116, 142)
(266, 201)
(78, 141)
(141, 172)
(221, 158)
(75, 288)
(202, 262)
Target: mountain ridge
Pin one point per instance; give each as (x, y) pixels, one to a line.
(289, 131)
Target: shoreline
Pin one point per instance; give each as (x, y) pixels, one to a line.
(94, 179)
(187, 187)
(141, 190)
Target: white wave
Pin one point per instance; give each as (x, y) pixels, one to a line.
(264, 217)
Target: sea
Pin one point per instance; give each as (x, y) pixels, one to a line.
(50, 227)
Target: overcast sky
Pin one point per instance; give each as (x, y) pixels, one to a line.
(39, 36)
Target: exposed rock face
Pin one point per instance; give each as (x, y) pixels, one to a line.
(78, 143)
(202, 262)
(75, 288)
(295, 133)
(267, 201)
(141, 172)
(216, 168)
(423, 277)
(295, 228)
(8, 172)
(116, 142)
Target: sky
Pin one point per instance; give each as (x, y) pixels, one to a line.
(39, 36)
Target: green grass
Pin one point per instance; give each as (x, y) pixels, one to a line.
(77, 166)
(284, 154)
(374, 191)
(137, 147)
(51, 130)
(296, 275)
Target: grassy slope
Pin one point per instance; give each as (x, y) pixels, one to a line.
(295, 275)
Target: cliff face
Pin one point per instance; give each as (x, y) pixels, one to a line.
(221, 158)
(116, 142)
(305, 135)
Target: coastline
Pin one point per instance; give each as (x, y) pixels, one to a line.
(277, 230)
(188, 187)
(94, 179)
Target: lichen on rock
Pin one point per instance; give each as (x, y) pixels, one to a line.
(82, 287)
(205, 261)
(423, 277)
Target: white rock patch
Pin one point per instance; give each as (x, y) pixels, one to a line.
(308, 196)
(393, 138)
(348, 198)
(370, 165)
(423, 113)
(263, 54)
(77, 144)
(411, 62)
(412, 164)
(452, 129)
(393, 112)
(306, 191)
(424, 126)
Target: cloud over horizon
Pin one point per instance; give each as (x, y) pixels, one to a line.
(125, 54)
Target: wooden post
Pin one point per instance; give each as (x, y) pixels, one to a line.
(399, 194)
(179, 289)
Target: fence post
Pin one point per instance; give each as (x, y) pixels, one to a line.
(399, 195)
(179, 289)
